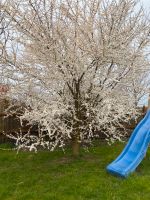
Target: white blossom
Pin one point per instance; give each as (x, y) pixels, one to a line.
(74, 67)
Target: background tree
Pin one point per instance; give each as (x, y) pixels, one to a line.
(69, 61)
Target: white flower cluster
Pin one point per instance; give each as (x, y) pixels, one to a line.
(74, 65)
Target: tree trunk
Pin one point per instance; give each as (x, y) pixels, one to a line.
(75, 147)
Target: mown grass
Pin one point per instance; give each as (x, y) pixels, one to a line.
(58, 176)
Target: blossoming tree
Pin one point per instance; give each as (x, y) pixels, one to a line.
(70, 62)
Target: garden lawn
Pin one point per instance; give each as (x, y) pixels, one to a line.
(58, 176)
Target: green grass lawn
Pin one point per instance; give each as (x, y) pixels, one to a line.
(58, 176)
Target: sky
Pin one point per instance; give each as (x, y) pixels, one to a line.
(146, 4)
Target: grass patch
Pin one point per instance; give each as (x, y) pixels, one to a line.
(59, 176)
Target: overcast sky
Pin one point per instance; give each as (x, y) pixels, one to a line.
(146, 4)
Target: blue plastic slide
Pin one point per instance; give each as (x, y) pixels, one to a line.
(134, 151)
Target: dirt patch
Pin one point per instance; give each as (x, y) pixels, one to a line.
(64, 160)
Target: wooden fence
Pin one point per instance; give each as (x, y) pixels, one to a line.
(7, 124)
(12, 124)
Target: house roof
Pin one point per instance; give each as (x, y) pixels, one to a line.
(3, 88)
